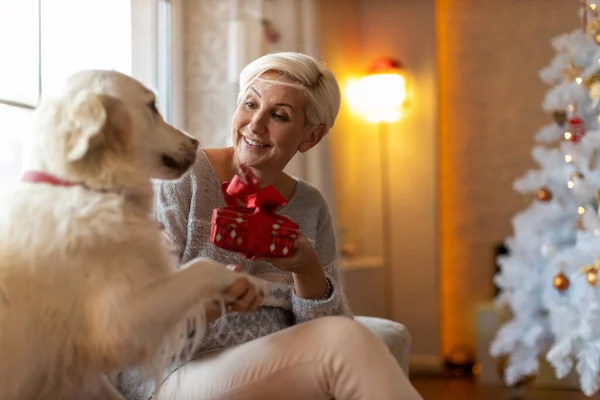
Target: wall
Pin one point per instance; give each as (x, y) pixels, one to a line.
(207, 91)
(489, 54)
(353, 34)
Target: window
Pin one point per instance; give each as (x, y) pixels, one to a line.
(14, 122)
(78, 35)
(43, 42)
(19, 46)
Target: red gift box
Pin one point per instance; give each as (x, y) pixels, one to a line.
(253, 229)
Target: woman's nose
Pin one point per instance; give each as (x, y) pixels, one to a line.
(258, 123)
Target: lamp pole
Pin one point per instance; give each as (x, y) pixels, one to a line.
(380, 97)
(386, 227)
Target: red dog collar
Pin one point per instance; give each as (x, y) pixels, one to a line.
(42, 177)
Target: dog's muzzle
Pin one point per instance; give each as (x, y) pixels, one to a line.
(172, 163)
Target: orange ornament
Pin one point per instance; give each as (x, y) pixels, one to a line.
(561, 282)
(544, 194)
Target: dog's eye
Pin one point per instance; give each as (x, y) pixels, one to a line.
(152, 106)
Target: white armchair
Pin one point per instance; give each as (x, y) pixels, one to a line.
(393, 334)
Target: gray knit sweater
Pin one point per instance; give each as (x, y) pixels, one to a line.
(185, 208)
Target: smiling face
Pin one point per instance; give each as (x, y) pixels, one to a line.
(269, 125)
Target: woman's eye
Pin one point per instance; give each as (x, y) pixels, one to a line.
(250, 105)
(280, 117)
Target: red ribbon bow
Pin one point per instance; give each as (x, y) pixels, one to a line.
(245, 187)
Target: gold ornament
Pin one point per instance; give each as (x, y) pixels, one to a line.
(560, 117)
(592, 277)
(591, 272)
(561, 282)
(572, 72)
(594, 91)
(576, 175)
(544, 194)
(591, 80)
(593, 26)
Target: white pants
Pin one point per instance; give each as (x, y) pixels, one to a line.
(323, 359)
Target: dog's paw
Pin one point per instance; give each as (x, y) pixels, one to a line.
(260, 285)
(216, 277)
(211, 273)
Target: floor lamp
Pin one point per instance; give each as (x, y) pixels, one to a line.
(380, 97)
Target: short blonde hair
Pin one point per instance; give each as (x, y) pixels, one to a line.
(308, 74)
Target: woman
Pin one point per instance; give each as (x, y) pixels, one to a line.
(282, 350)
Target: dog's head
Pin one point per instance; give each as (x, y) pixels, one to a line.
(105, 123)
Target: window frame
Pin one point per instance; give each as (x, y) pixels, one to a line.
(157, 37)
(152, 59)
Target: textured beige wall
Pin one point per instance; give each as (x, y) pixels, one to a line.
(489, 54)
(353, 34)
(209, 97)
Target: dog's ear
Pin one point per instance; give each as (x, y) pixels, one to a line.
(97, 122)
(87, 117)
(116, 135)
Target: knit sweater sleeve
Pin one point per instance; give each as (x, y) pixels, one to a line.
(172, 209)
(325, 246)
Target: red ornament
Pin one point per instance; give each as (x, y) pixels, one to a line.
(575, 129)
(254, 229)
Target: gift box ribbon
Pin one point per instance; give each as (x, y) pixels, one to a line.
(245, 187)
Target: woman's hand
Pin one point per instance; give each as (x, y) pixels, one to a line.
(304, 259)
(309, 278)
(247, 299)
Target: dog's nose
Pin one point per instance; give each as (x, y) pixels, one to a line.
(195, 142)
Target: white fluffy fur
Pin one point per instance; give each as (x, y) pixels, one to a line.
(87, 285)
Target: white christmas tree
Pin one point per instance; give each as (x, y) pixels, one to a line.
(548, 280)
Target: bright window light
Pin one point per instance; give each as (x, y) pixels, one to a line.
(77, 34)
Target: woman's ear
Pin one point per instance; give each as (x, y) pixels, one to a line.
(317, 134)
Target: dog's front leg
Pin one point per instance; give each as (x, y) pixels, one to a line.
(135, 328)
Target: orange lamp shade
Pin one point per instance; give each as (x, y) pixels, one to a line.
(379, 96)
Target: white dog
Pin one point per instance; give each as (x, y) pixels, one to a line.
(87, 285)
